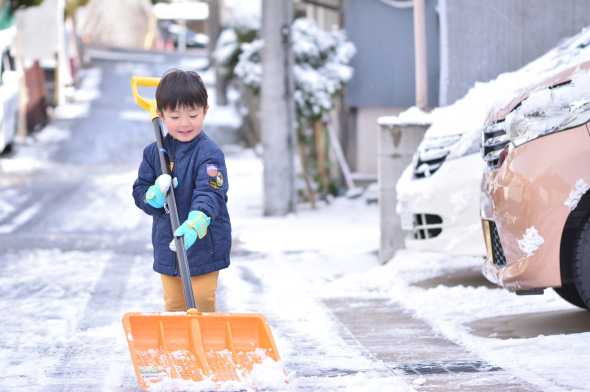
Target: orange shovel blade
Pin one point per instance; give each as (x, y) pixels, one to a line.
(197, 346)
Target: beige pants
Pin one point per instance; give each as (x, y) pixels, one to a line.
(204, 287)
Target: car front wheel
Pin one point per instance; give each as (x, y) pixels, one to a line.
(581, 262)
(571, 295)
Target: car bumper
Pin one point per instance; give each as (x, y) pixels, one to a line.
(442, 211)
(529, 192)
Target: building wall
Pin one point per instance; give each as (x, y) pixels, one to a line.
(384, 63)
(35, 45)
(326, 17)
(384, 71)
(117, 23)
(502, 36)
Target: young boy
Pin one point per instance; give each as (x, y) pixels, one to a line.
(198, 166)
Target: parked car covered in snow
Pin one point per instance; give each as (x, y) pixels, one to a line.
(535, 203)
(9, 91)
(438, 194)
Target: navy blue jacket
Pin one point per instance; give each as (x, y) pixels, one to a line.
(199, 166)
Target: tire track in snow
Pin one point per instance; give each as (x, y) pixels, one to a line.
(99, 334)
(21, 218)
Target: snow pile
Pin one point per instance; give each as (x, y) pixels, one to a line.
(531, 241)
(266, 374)
(413, 115)
(580, 188)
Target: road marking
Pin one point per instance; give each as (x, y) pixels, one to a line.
(21, 219)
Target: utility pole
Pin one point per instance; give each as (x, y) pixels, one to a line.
(213, 31)
(213, 26)
(277, 108)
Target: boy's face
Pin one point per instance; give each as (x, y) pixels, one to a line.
(184, 123)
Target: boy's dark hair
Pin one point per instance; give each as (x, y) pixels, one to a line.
(180, 88)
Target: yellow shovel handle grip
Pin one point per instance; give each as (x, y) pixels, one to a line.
(147, 104)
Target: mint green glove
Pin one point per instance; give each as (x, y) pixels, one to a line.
(195, 225)
(155, 193)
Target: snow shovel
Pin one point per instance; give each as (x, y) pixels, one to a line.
(208, 347)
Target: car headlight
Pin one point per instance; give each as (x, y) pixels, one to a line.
(468, 144)
(526, 125)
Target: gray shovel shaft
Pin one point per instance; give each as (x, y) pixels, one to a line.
(185, 275)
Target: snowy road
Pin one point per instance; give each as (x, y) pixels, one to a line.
(75, 255)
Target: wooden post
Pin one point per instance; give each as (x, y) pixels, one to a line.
(308, 189)
(321, 156)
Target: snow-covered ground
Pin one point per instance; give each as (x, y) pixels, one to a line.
(330, 252)
(62, 308)
(295, 262)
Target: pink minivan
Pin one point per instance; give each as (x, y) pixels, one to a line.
(535, 204)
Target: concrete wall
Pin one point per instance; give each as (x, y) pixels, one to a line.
(397, 144)
(368, 136)
(481, 39)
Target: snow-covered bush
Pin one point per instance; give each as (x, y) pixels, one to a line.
(226, 52)
(320, 68)
(249, 66)
(243, 24)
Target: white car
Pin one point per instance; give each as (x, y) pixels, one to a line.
(9, 95)
(438, 194)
